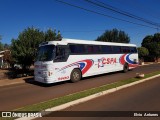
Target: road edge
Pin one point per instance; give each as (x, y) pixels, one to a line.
(63, 106)
(90, 97)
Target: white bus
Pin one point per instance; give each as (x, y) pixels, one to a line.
(71, 59)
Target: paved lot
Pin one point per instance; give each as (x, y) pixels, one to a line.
(19, 95)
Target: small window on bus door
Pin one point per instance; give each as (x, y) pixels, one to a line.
(62, 53)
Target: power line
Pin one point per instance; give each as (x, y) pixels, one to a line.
(143, 8)
(104, 14)
(127, 13)
(111, 8)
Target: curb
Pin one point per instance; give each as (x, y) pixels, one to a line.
(81, 100)
(150, 64)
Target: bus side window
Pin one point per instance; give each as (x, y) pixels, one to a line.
(90, 49)
(133, 49)
(116, 49)
(77, 49)
(125, 49)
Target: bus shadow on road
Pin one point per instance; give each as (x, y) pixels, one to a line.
(33, 82)
(102, 75)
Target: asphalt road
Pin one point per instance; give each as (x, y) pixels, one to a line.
(16, 96)
(142, 97)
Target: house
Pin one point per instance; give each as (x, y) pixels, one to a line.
(3, 62)
(1, 58)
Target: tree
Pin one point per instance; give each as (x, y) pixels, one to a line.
(25, 46)
(6, 46)
(1, 45)
(142, 52)
(156, 37)
(52, 35)
(114, 35)
(152, 43)
(59, 37)
(146, 41)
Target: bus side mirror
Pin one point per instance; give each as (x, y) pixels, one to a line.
(58, 58)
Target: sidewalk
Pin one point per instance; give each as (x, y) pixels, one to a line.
(148, 63)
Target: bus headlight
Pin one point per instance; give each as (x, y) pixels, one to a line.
(47, 73)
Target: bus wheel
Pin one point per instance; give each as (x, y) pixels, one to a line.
(76, 75)
(125, 68)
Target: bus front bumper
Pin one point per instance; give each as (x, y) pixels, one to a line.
(44, 80)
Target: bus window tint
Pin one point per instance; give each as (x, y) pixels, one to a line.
(90, 49)
(45, 53)
(133, 49)
(116, 49)
(100, 49)
(77, 49)
(125, 49)
(96, 49)
(106, 49)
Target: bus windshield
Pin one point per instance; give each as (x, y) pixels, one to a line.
(45, 53)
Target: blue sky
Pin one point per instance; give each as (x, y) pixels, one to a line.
(16, 15)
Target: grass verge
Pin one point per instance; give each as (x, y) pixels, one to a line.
(71, 97)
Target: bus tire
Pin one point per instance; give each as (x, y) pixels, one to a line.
(76, 75)
(125, 68)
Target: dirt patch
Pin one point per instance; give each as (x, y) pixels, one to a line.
(15, 73)
(3, 74)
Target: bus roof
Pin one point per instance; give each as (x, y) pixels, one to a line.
(65, 41)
